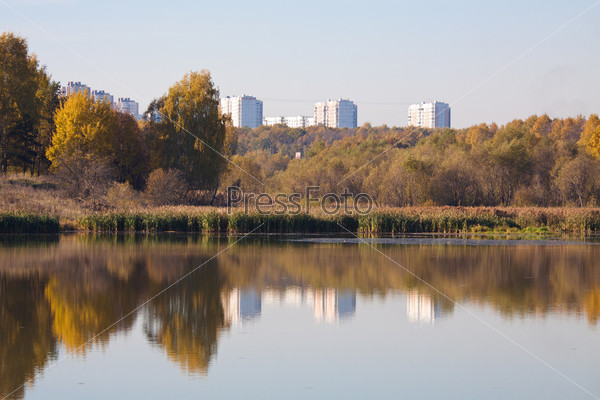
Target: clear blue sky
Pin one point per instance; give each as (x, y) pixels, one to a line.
(381, 54)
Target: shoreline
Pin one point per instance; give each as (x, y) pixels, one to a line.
(436, 220)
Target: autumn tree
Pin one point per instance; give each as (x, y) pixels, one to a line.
(27, 99)
(245, 174)
(230, 143)
(128, 152)
(191, 134)
(542, 126)
(579, 180)
(455, 181)
(568, 129)
(49, 101)
(590, 137)
(166, 187)
(506, 162)
(478, 134)
(418, 178)
(387, 183)
(94, 143)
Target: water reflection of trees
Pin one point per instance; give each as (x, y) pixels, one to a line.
(26, 339)
(70, 290)
(187, 320)
(515, 280)
(84, 304)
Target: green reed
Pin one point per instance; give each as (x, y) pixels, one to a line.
(20, 222)
(409, 220)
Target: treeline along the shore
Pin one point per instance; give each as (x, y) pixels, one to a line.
(184, 152)
(534, 162)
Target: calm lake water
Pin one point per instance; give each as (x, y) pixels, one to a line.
(287, 317)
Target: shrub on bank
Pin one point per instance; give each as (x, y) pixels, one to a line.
(166, 187)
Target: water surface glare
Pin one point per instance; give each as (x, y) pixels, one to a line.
(284, 317)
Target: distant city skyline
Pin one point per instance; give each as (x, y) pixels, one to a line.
(491, 61)
(341, 113)
(122, 104)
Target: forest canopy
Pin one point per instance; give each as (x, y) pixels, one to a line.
(538, 161)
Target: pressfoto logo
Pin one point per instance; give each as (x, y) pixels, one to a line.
(295, 203)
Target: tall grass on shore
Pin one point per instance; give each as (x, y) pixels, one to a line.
(216, 222)
(20, 222)
(480, 219)
(405, 220)
(440, 221)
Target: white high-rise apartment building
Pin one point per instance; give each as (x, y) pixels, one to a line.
(101, 95)
(336, 114)
(123, 104)
(270, 121)
(74, 87)
(126, 105)
(299, 121)
(244, 110)
(429, 115)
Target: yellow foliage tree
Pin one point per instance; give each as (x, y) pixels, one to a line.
(542, 126)
(593, 145)
(82, 124)
(478, 134)
(27, 100)
(89, 129)
(192, 134)
(590, 137)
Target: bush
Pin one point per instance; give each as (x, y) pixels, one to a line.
(121, 196)
(166, 187)
(84, 175)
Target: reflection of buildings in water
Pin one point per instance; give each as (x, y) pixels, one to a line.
(293, 296)
(241, 304)
(329, 305)
(421, 308)
(346, 304)
(324, 305)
